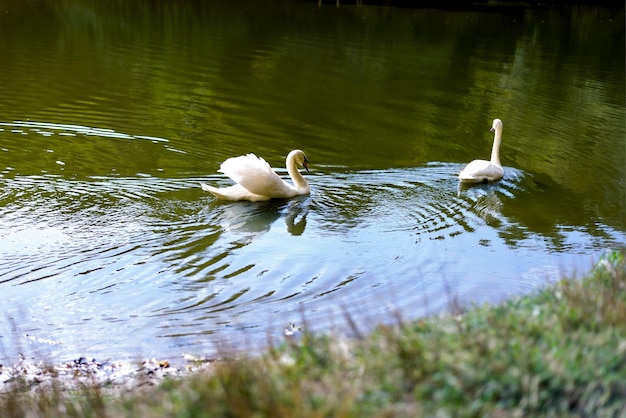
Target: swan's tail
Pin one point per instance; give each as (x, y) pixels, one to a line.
(213, 190)
(234, 192)
(206, 187)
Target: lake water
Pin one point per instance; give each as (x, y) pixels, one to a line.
(111, 113)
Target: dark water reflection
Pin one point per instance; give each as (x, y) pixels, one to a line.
(111, 114)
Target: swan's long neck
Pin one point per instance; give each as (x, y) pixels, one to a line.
(298, 180)
(495, 150)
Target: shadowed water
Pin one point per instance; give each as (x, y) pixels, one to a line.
(111, 115)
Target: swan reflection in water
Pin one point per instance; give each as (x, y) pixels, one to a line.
(485, 199)
(257, 218)
(296, 209)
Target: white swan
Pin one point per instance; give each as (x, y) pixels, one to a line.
(256, 181)
(479, 171)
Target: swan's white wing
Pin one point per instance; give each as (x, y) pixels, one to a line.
(255, 174)
(480, 170)
(236, 192)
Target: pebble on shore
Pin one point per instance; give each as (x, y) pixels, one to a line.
(120, 376)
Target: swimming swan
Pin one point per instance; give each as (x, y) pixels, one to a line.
(256, 181)
(479, 171)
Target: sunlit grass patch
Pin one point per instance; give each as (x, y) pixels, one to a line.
(561, 351)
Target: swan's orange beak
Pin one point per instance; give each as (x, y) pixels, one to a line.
(305, 164)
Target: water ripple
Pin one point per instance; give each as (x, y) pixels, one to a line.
(162, 253)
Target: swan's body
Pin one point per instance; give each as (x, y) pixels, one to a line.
(256, 181)
(479, 171)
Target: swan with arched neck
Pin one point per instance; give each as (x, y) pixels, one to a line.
(256, 181)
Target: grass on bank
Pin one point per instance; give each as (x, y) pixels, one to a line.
(559, 352)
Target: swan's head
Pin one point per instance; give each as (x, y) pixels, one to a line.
(497, 125)
(300, 158)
